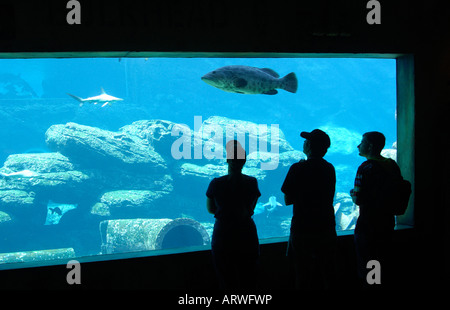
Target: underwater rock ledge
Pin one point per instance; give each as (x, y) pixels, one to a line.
(129, 203)
(95, 147)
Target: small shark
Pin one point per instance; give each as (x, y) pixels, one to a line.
(19, 174)
(103, 99)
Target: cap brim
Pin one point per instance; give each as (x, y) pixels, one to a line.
(305, 134)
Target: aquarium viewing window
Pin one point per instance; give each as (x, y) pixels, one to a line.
(110, 155)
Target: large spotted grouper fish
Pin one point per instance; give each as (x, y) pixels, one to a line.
(250, 80)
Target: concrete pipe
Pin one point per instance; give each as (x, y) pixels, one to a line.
(130, 235)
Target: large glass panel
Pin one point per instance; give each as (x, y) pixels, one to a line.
(110, 155)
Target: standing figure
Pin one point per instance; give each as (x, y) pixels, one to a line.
(235, 246)
(310, 187)
(375, 224)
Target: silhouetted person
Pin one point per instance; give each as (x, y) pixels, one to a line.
(375, 224)
(310, 186)
(232, 199)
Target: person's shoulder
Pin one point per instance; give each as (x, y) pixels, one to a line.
(392, 162)
(392, 165)
(367, 163)
(327, 163)
(330, 168)
(248, 178)
(295, 167)
(299, 164)
(251, 183)
(366, 166)
(220, 179)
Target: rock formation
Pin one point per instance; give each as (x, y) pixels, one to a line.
(131, 175)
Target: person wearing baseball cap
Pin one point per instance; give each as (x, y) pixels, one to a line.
(319, 141)
(310, 186)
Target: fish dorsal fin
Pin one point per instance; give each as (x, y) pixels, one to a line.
(103, 91)
(270, 72)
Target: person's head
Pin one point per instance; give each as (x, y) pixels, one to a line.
(236, 156)
(316, 144)
(372, 144)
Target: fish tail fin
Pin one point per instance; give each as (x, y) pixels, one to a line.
(290, 83)
(77, 99)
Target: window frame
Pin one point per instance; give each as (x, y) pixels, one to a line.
(405, 132)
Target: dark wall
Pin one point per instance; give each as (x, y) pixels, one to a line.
(319, 26)
(218, 26)
(194, 271)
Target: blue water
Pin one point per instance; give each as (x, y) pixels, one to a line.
(344, 97)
